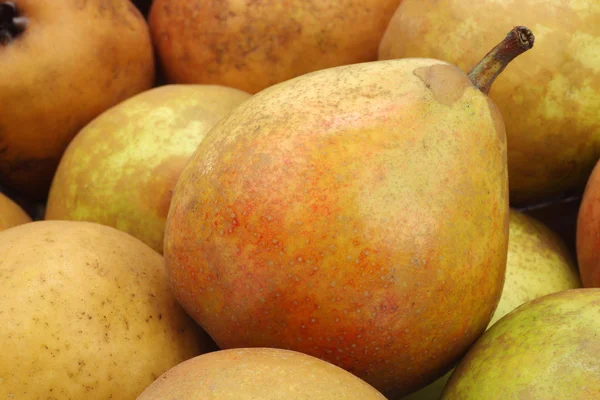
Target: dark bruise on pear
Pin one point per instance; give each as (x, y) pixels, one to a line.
(12, 24)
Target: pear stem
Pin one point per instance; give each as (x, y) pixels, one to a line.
(517, 41)
(11, 23)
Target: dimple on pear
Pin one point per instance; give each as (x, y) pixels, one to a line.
(358, 214)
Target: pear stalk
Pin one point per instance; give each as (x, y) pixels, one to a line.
(517, 41)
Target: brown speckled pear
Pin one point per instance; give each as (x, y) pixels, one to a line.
(250, 45)
(358, 214)
(550, 98)
(87, 313)
(62, 63)
(258, 374)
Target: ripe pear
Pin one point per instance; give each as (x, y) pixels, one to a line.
(64, 62)
(11, 214)
(550, 100)
(545, 349)
(87, 313)
(538, 264)
(258, 374)
(358, 214)
(588, 231)
(250, 45)
(121, 169)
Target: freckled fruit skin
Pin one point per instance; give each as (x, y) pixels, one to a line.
(353, 214)
(258, 373)
(121, 169)
(87, 313)
(588, 231)
(549, 98)
(11, 214)
(250, 45)
(75, 60)
(546, 349)
(538, 264)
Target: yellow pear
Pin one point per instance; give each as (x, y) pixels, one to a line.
(550, 100)
(258, 374)
(87, 313)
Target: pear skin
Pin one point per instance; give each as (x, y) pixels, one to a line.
(251, 45)
(550, 98)
(588, 231)
(258, 374)
(545, 349)
(88, 314)
(71, 61)
(121, 169)
(11, 214)
(538, 264)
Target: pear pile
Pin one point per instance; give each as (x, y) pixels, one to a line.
(309, 199)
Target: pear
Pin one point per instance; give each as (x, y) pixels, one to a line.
(358, 214)
(545, 349)
(87, 313)
(250, 45)
(11, 214)
(550, 100)
(588, 231)
(63, 63)
(258, 374)
(121, 168)
(538, 264)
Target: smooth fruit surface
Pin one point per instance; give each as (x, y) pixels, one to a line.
(251, 45)
(315, 217)
(258, 373)
(11, 214)
(546, 349)
(588, 231)
(87, 313)
(549, 98)
(538, 264)
(121, 169)
(74, 60)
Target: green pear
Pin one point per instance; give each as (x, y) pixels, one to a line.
(538, 264)
(120, 170)
(546, 349)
